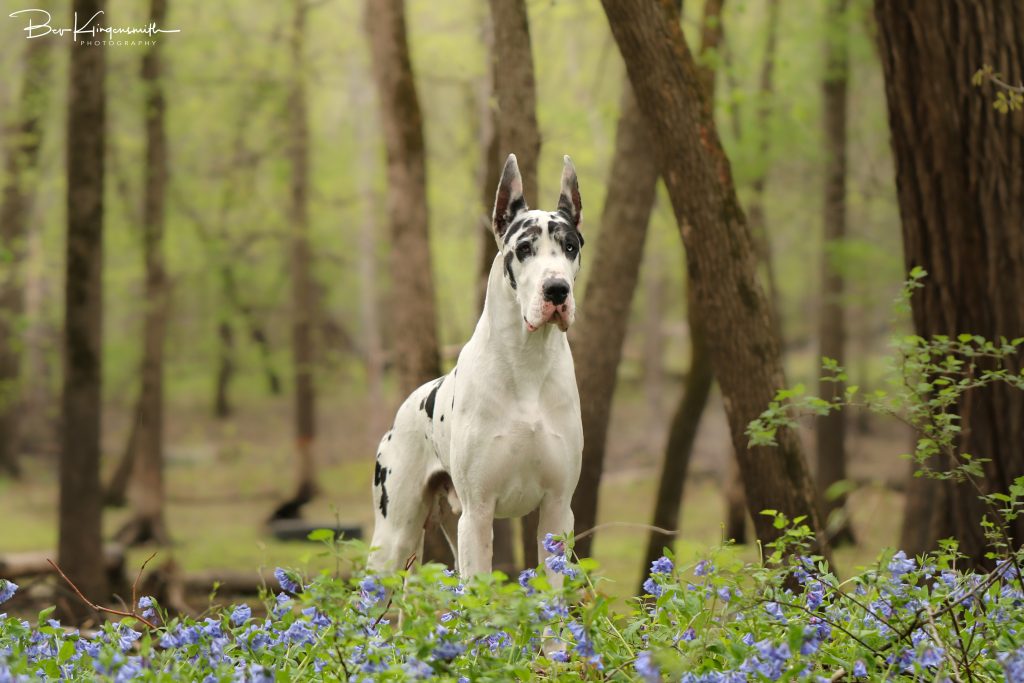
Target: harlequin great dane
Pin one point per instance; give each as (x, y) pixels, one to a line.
(500, 435)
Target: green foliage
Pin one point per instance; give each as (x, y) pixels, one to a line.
(1008, 97)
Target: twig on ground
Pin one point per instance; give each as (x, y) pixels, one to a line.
(100, 608)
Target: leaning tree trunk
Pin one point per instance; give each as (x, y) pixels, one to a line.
(145, 490)
(515, 94)
(601, 330)
(831, 429)
(23, 138)
(720, 254)
(959, 173)
(303, 287)
(412, 286)
(80, 548)
(683, 429)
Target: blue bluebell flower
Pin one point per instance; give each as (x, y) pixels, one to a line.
(775, 610)
(524, 580)
(560, 656)
(555, 609)
(859, 669)
(900, 564)
(240, 615)
(703, 568)
(282, 605)
(371, 592)
(724, 593)
(652, 587)
(553, 545)
(146, 605)
(646, 667)
(7, 590)
(558, 564)
(1013, 665)
(286, 581)
(662, 565)
(417, 669)
(815, 594)
(126, 637)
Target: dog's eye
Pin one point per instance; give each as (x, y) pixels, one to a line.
(570, 249)
(523, 250)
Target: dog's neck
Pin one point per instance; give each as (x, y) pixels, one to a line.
(502, 328)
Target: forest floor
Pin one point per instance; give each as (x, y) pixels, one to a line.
(225, 477)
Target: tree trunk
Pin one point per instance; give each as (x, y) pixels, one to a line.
(685, 422)
(959, 171)
(601, 329)
(23, 140)
(412, 286)
(720, 254)
(515, 93)
(225, 369)
(755, 214)
(681, 436)
(831, 429)
(80, 548)
(490, 161)
(146, 444)
(303, 287)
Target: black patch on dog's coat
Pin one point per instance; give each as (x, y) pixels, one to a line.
(508, 269)
(380, 475)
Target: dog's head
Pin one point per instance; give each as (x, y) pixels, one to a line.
(540, 250)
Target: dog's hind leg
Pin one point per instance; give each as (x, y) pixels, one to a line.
(400, 507)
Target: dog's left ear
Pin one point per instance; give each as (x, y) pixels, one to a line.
(569, 202)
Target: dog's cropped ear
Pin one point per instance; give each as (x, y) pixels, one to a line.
(569, 202)
(509, 201)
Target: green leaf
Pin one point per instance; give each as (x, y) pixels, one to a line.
(321, 535)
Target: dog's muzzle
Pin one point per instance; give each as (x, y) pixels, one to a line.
(556, 307)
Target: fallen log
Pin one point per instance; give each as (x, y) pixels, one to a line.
(34, 562)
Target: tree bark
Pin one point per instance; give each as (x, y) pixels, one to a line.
(601, 329)
(301, 267)
(146, 444)
(416, 353)
(23, 140)
(831, 429)
(412, 289)
(959, 172)
(515, 92)
(80, 549)
(699, 380)
(720, 254)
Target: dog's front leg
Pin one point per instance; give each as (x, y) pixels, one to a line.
(476, 540)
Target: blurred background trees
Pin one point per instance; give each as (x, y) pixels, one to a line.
(307, 185)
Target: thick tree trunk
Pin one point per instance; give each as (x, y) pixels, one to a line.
(683, 429)
(959, 173)
(303, 287)
(146, 487)
(23, 140)
(601, 329)
(515, 94)
(720, 254)
(412, 286)
(80, 548)
(831, 429)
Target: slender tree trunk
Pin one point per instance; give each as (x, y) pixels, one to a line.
(146, 447)
(412, 286)
(720, 254)
(959, 173)
(369, 277)
(682, 433)
(490, 161)
(755, 214)
(601, 329)
(515, 92)
(831, 429)
(303, 287)
(23, 140)
(225, 369)
(80, 548)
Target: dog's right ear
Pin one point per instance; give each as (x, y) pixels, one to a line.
(509, 201)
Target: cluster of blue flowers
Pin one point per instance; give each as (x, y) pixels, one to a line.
(713, 622)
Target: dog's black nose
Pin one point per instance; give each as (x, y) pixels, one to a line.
(556, 291)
